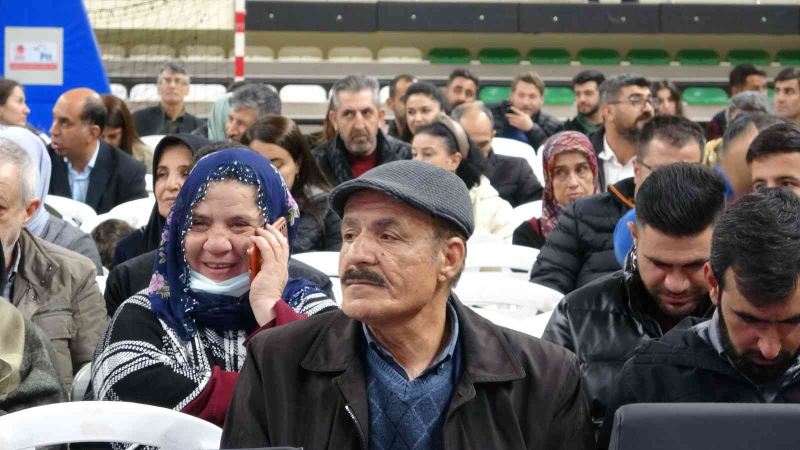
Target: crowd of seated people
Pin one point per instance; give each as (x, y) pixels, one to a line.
(677, 250)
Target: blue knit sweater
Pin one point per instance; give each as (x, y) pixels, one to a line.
(407, 414)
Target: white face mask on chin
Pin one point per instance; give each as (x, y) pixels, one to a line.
(234, 287)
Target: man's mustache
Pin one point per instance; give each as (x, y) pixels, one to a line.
(356, 275)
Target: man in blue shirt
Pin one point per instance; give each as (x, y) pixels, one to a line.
(85, 168)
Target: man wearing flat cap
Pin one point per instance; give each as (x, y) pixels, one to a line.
(404, 365)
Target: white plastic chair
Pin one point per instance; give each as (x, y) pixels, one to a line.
(135, 213)
(298, 54)
(383, 94)
(81, 382)
(527, 211)
(512, 147)
(148, 182)
(205, 92)
(152, 140)
(258, 53)
(152, 52)
(71, 210)
(144, 92)
(61, 423)
(101, 282)
(350, 54)
(399, 54)
(336, 287)
(202, 53)
(112, 52)
(500, 257)
(119, 91)
(503, 292)
(303, 93)
(325, 262)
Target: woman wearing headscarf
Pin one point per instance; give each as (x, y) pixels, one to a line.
(214, 128)
(172, 159)
(180, 343)
(444, 144)
(570, 172)
(43, 224)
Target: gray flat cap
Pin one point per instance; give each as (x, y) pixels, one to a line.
(421, 185)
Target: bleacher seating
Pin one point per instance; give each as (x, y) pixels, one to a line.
(119, 90)
(145, 92)
(399, 54)
(350, 54)
(599, 56)
(300, 53)
(152, 51)
(202, 53)
(303, 93)
(258, 53)
(549, 56)
(499, 56)
(648, 57)
(449, 55)
(698, 57)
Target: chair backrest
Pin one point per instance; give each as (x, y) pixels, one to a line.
(527, 211)
(61, 423)
(325, 262)
(119, 90)
(383, 94)
(694, 426)
(399, 54)
(152, 52)
(71, 210)
(351, 54)
(489, 256)
(112, 52)
(258, 53)
(511, 147)
(81, 382)
(205, 92)
(533, 326)
(202, 53)
(148, 182)
(152, 140)
(503, 292)
(144, 92)
(295, 53)
(303, 93)
(135, 213)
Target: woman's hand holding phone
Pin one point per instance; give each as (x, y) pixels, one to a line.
(269, 272)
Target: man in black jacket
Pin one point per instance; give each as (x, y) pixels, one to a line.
(748, 351)
(169, 116)
(359, 144)
(586, 86)
(513, 177)
(404, 361)
(581, 246)
(521, 116)
(604, 321)
(85, 168)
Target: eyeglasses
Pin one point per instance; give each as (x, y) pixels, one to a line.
(638, 101)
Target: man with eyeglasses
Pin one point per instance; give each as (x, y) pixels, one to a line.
(169, 116)
(626, 104)
(581, 248)
(662, 283)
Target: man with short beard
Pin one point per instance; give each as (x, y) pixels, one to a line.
(747, 352)
(626, 104)
(359, 144)
(586, 86)
(662, 283)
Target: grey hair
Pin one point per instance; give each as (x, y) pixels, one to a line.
(749, 101)
(462, 109)
(260, 97)
(356, 83)
(11, 153)
(741, 124)
(612, 87)
(174, 67)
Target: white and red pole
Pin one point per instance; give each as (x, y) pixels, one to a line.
(238, 39)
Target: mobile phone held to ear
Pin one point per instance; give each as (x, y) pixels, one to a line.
(254, 254)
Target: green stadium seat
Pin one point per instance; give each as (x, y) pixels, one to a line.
(449, 55)
(599, 56)
(790, 57)
(558, 96)
(549, 56)
(698, 57)
(649, 57)
(705, 96)
(752, 56)
(499, 56)
(494, 94)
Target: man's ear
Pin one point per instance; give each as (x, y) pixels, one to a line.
(713, 285)
(453, 254)
(95, 131)
(634, 232)
(332, 119)
(31, 207)
(381, 114)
